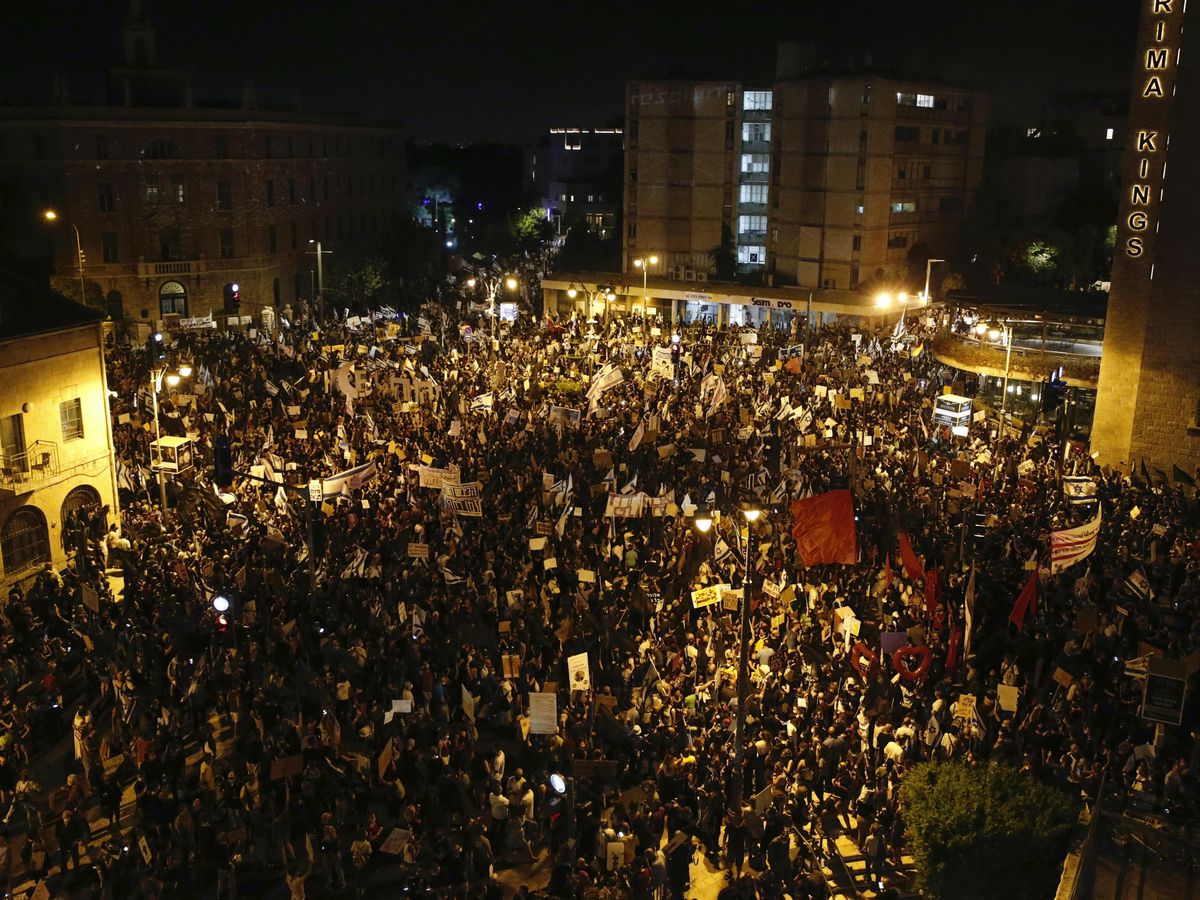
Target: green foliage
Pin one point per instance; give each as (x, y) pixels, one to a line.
(568, 388)
(1041, 258)
(531, 228)
(984, 833)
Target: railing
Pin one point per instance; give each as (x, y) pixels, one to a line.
(24, 472)
(1027, 363)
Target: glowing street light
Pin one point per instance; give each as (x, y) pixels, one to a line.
(52, 216)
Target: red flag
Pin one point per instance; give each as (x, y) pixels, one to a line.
(931, 592)
(823, 529)
(913, 567)
(952, 649)
(1026, 602)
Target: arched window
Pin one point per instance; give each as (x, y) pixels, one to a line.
(162, 149)
(86, 498)
(24, 542)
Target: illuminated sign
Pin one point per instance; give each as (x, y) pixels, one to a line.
(1157, 67)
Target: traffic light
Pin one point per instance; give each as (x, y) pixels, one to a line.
(222, 461)
(233, 297)
(156, 350)
(1054, 391)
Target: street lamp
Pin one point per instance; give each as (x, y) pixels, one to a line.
(644, 263)
(703, 521)
(159, 374)
(603, 292)
(320, 277)
(492, 286)
(996, 332)
(51, 216)
(928, 268)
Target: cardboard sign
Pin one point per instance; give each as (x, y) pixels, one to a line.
(543, 712)
(1063, 678)
(286, 767)
(418, 551)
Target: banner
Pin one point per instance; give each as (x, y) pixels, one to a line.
(579, 672)
(462, 499)
(625, 506)
(432, 477)
(661, 365)
(823, 529)
(565, 415)
(1073, 544)
(350, 480)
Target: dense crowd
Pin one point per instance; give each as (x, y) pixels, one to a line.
(361, 708)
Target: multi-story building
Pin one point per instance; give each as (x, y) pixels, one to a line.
(821, 181)
(576, 175)
(56, 453)
(172, 201)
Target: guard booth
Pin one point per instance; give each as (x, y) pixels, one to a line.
(953, 412)
(171, 455)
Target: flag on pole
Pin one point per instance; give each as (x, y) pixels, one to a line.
(823, 529)
(1138, 584)
(1026, 602)
(913, 567)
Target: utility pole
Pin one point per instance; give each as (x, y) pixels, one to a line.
(320, 277)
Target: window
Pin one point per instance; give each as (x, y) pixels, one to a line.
(950, 204)
(632, 133)
(924, 101)
(108, 247)
(178, 194)
(572, 141)
(756, 131)
(897, 241)
(752, 193)
(860, 208)
(291, 190)
(168, 244)
(105, 197)
(272, 246)
(904, 206)
(25, 541)
(162, 149)
(562, 198)
(152, 189)
(221, 146)
(270, 192)
(907, 134)
(756, 162)
(1109, 133)
(12, 441)
(632, 231)
(102, 146)
(84, 504)
(224, 195)
(955, 137)
(856, 242)
(752, 224)
(70, 417)
(225, 239)
(752, 256)
(633, 176)
(756, 100)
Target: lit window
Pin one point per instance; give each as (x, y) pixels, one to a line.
(756, 100)
(573, 141)
(859, 209)
(925, 101)
(752, 193)
(904, 206)
(752, 224)
(752, 256)
(756, 131)
(1108, 134)
(755, 162)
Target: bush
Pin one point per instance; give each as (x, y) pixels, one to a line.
(984, 833)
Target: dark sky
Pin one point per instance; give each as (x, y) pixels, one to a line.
(506, 71)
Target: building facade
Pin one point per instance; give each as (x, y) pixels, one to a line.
(55, 427)
(576, 175)
(818, 182)
(172, 201)
(1148, 400)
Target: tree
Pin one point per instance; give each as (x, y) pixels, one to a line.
(984, 833)
(532, 228)
(584, 250)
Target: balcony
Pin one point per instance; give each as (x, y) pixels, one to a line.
(22, 473)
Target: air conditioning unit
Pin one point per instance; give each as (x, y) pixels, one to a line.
(702, 276)
(677, 273)
(689, 275)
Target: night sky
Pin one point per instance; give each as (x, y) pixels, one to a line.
(475, 71)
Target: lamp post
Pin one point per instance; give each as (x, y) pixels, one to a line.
(602, 291)
(928, 269)
(997, 331)
(51, 216)
(884, 300)
(492, 286)
(159, 374)
(704, 522)
(644, 263)
(320, 277)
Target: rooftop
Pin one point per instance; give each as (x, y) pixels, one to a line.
(29, 308)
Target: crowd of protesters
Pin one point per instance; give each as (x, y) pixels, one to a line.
(293, 694)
